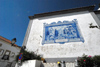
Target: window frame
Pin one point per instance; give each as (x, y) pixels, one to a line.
(1, 51)
(12, 54)
(7, 56)
(0, 44)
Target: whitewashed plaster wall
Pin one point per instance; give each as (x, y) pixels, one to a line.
(7, 46)
(98, 15)
(72, 49)
(98, 8)
(30, 63)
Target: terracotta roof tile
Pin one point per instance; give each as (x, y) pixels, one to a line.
(4, 39)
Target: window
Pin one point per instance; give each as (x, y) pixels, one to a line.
(62, 32)
(12, 54)
(1, 52)
(6, 55)
(0, 44)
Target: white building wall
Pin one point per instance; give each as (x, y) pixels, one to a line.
(72, 49)
(27, 33)
(7, 46)
(98, 8)
(98, 15)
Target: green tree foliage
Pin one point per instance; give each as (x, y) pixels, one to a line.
(88, 61)
(28, 56)
(97, 60)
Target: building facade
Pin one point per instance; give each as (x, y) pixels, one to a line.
(64, 35)
(7, 52)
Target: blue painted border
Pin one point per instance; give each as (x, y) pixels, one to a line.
(66, 39)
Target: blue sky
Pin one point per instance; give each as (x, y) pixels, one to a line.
(14, 14)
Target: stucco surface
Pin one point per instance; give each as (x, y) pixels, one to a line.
(7, 46)
(98, 8)
(72, 49)
(98, 15)
(30, 63)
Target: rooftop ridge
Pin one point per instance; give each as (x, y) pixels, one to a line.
(89, 8)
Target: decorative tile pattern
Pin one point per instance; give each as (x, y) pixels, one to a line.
(62, 32)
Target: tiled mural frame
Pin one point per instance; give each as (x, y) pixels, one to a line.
(62, 32)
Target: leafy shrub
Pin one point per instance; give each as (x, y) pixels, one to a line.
(88, 61)
(97, 60)
(28, 56)
(85, 61)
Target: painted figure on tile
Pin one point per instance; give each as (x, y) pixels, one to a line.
(66, 31)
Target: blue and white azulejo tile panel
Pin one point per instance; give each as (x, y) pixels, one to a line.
(62, 32)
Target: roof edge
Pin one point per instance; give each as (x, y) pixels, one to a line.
(89, 8)
(97, 12)
(6, 40)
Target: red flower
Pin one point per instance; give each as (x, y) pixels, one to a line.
(84, 60)
(89, 56)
